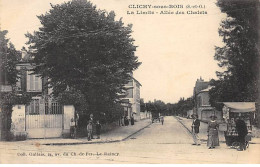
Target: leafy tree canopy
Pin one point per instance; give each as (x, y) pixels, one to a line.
(9, 57)
(239, 57)
(81, 47)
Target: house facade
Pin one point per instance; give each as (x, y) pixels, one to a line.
(133, 97)
(189, 114)
(202, 105)
(43, 117)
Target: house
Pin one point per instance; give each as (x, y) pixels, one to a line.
(202, 106)
(133, 97)
(43, 117)
(189, 114)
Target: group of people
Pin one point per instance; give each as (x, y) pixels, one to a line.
(213, 127)
(74, 125)
(90, 130)
(125, 121)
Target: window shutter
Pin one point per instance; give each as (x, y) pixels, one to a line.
(36, 84)
(28, 83)
(23, 80)
(39, 83)
(31, 82)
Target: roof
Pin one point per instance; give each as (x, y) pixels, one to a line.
(207, 89)
(136, 81)
(200, 85)
(240, 106)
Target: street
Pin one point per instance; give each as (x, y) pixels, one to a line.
(168, 143)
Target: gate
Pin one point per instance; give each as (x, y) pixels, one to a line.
(44, 119)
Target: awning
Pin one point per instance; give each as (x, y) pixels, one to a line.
(240, 106)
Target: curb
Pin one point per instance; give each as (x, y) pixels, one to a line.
(99, 142)
(135, 132)
(194, 137)
(179, 120)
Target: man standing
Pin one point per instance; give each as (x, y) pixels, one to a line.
(195, 129)
(242, 132)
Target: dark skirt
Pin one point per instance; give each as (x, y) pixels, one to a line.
(213, 139)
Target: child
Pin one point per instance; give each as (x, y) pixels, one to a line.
(162, 119)
(90, 130)
(98, 129)
(72, 128)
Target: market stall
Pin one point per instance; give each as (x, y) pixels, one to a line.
(234, 110)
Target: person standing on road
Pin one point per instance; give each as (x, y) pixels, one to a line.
(195, 129)
(126, 121)
(242, 132)
(213, 139)
(90, 130)
(162, 119)
(132, 120)
(123, 121)
(98, 129)
(72, 128)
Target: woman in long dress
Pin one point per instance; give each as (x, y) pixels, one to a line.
(213, 139)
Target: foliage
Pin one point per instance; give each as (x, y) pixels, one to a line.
(75, 98)
(86, 49)
(180, 107)
(142, 105)
(9, 57)
(239, 57)
(184, 105)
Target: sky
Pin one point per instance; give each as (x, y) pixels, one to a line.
(175, 50)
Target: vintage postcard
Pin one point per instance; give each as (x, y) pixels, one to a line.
(129, 82)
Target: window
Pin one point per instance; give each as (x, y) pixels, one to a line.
(34, 107)
(18, 83)
(53, 108)
(34, 83)
(199, 101)
(137, 95)
(129, 93)
(130, 83)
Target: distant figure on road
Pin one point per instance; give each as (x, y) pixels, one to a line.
(126, 121)
(98, 129)
(242, 132)
(132, 120)
(72, 128)
(195, 124)
(123, 121)
(90, 130)
(195, 129)
(162, 119)
(213, 139)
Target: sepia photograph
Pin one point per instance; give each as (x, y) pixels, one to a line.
(129, 82)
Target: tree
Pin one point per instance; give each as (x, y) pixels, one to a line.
(85, 49)
(184, 105)
(239, 57)
(142, 105)
(9, 57)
